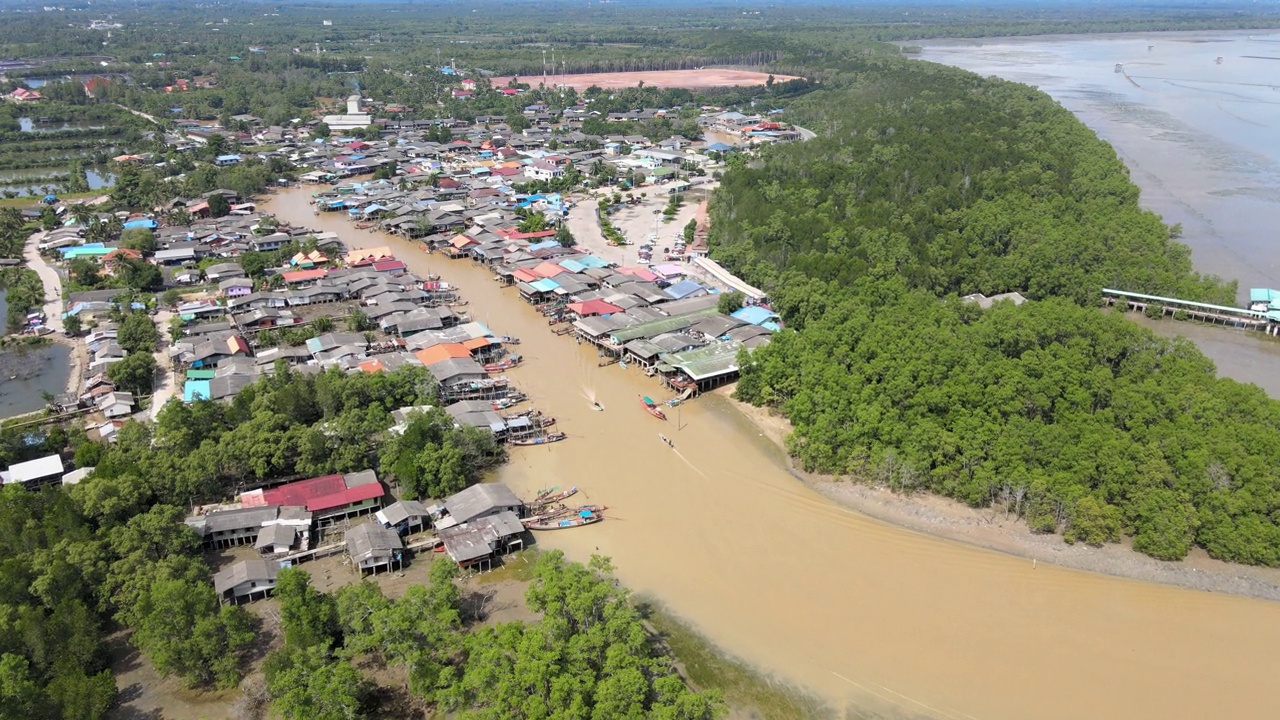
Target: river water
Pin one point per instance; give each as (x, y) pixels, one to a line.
(27, 373)
(862, 613)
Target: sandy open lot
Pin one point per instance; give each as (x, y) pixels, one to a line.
(692, 79)
(636, 223)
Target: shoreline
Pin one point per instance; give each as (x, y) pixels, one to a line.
(991, 529)
(1177, 35)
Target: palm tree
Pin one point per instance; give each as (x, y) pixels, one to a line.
(82, 214)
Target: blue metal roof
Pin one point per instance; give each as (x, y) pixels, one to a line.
(194, 390)
(685, 288)
(1263, 295)
(756, 315)
(545, 285)
(592, 261)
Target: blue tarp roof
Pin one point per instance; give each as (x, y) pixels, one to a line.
(545, 285)
(685, 288)
(755, 315)
(719, 147)
(144, 223)
(194, 390)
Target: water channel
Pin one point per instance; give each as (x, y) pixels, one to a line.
(862, 613)
(26, 373)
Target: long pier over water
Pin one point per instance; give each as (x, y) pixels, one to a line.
(1204, 312)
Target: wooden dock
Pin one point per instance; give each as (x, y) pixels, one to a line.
(1189, 310)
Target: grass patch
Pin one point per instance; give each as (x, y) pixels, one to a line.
(517, 567)
(34, 200)
(750, 693)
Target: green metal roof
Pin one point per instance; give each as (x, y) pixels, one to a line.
(653, 328)
(707, 362)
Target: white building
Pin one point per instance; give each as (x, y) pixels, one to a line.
(354, 119)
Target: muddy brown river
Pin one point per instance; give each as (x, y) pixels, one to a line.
(857, 611)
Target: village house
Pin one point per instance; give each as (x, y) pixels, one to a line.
(373, 547)
(330, 498)
(33, 474)
(246, 581)
(478, 501)
(235, 287)
(476, 543)
(404, 517)
(23, 95)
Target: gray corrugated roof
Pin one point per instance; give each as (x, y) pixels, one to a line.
(225, 520)
(504, 524)
(364, 477)
(273, 535)
(398, 512)
(369, 541)
(257, 569)
(480, 499)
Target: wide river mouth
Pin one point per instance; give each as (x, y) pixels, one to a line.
(857, 611)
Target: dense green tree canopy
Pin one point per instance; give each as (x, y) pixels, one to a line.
(927, 183)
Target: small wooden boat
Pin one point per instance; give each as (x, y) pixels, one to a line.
(540, 440)
(652, 407)
(559, 511)
(508, 340)
(584, 517)
(667, 440)
(553, 495)
(504, 364)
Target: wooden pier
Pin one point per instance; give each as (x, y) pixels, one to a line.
(1186, 309)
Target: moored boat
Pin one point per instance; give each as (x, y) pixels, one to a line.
(552, 495)
(541, 439)
(583, 517)
(559, 511)
(505, 364)
(652, 407)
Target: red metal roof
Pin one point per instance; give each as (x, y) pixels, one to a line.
(321, 493)
(513, 234)
(549, 270)
(294, 276)
(388, 266)
(593, 307)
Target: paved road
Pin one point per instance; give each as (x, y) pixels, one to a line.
(167, 387)
(52, 282)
